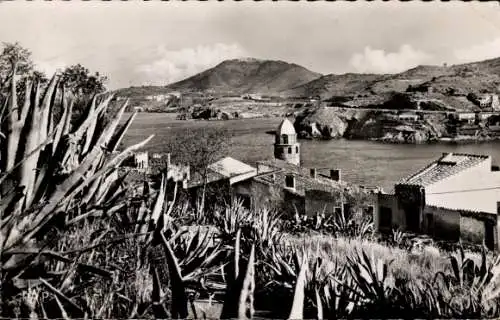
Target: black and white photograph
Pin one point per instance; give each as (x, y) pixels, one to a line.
(249, 160)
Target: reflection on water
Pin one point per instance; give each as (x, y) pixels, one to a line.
(364, 162)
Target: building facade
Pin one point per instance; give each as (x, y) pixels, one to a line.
(451, 198)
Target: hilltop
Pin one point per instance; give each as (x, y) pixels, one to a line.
(249, 75)
(463, 78)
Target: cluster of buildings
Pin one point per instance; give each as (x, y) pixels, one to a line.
(456, 197)
(163, 97)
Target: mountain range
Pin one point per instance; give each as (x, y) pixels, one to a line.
(279, 78)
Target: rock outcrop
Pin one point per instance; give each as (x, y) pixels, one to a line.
(331, 123)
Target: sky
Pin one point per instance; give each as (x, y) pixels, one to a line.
(156, 43)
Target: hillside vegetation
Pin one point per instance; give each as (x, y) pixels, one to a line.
(240, 76)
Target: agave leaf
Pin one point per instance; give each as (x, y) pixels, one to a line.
(159, 309)
(13, 124)
(64, 314)
(46, 108)
(237, 254)
(115, 141)
(75, 310)
(179, 298)
(319, 305)
(247, 288)
(297, 311)
(89, 133)
(159, 202)
(239, 292)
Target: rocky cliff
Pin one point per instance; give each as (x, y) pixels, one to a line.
(331, 123)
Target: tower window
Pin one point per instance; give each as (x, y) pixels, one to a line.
(289, 149)
(285, 139)
(297, 149)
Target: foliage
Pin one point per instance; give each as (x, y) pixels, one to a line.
(82, 82)
(14, 53)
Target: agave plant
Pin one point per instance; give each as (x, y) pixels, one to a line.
(370, 278)
(54, 175)
(473, 289)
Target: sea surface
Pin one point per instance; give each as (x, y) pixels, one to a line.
(362, 162)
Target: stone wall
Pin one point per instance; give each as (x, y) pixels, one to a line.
(467, 226)
(445, 224)
(317, 201)
(471, 229)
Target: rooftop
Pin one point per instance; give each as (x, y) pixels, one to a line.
(223, 169)
(286, 127)
(230, 167)
(303, 180)
(446, 166)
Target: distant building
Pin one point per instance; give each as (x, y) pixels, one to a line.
(455, 197)
(297, 189)
(407, 116)
(470, 117)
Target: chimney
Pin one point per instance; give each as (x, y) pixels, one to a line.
(168, 159)
(314, 173)
(335, 175)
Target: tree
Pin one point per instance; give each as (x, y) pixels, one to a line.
(199, 148)
(13, 54)
(82, 82)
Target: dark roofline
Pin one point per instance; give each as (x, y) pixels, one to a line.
(468, 213)
(468, 155)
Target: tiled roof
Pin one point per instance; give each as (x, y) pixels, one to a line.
(281, 164)
(197, 178)
(446, 166)
(303, 180)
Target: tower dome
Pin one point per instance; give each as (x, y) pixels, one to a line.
(286, 127)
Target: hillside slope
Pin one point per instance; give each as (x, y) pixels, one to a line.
(468, 77)
(248, 76)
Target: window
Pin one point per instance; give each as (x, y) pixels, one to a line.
(285, 139)
(289, 149)
(337, 211)
(290, 181)
(385, 217)
(297, 149)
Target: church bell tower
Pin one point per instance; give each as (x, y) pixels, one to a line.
(286, 146)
